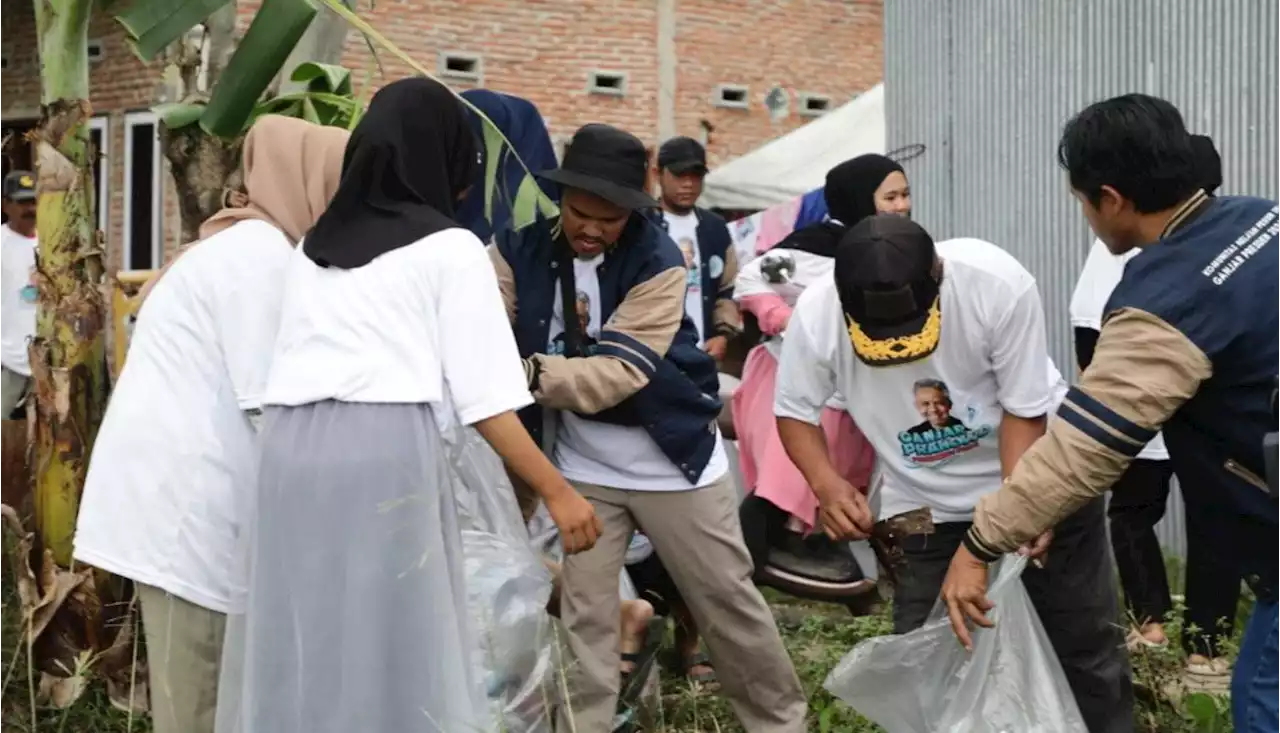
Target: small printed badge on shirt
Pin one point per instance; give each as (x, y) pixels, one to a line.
(30, 292)
(715, 266)
(941, 436)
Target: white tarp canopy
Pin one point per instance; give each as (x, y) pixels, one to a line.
(796, 163)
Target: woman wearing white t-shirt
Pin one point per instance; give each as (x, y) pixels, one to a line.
(175, 451)
(393, 335)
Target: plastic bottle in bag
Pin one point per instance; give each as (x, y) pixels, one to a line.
(925, 682)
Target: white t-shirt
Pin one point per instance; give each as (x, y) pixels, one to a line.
(933, 423)
(18, 299)
(1101, 274)
(683, 230)
(617, 456)
(175, 453)
(420, 324)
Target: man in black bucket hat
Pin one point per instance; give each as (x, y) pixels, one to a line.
(597, 301)
(940, 353)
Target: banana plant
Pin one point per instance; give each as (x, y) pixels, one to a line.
(72, 615)
(154, 25)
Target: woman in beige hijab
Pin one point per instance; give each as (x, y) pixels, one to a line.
(273, 150)
(175, 460)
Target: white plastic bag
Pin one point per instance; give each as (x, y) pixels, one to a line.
(925, 682)
(507, 589)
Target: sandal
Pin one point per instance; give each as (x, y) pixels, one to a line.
(700, 659)
(1136, 642)
(632, 659)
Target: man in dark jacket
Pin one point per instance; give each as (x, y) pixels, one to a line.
(703, 238)
(635, 403)
(1188, 345)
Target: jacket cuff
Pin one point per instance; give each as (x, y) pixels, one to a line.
(978, 547)
(728, 330)
(532, 373)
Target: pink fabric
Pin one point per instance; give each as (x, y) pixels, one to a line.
(771, 312)
(766, 469)
(776, 222)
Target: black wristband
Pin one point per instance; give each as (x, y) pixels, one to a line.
(976, 547)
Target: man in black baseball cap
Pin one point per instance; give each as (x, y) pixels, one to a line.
(18, 300)
(704, 240)
(939, 351)
(889, 290)
(597, 300)
(683, 156)
(20, 202)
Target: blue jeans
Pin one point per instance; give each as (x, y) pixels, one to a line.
(1255, 683)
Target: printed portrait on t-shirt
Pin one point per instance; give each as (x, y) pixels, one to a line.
(940, 436)
(691, 263)
(582, 308)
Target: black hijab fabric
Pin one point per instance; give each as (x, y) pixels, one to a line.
(850, 193)
(851, 187)
(407, 163)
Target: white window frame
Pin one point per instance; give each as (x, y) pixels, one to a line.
(103, 126)
(132, 120)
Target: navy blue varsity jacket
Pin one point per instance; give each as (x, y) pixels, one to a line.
(645, 369)
(1188, 345)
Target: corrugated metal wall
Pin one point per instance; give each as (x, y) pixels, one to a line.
(986, 86)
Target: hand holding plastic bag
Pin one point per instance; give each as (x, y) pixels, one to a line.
(925, 682)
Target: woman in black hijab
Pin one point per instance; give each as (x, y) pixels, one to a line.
(778, 496)
(857, 188)
(360, 613)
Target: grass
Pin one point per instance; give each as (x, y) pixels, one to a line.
(92, 713)
(816, 636)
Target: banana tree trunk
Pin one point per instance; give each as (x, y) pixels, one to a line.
(73, 614)
(68, 354)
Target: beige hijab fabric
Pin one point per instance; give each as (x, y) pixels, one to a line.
(291, 171)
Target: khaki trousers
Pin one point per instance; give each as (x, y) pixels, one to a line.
(184, 651)
(697, 535)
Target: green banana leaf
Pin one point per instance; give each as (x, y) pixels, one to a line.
(151, 25)
(323, 77)
(178, 114)
(275, 30)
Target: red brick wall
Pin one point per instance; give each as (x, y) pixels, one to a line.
(804, 46)
(545, 50)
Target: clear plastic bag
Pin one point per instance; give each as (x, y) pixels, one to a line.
(507, 589)
(925, 682)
